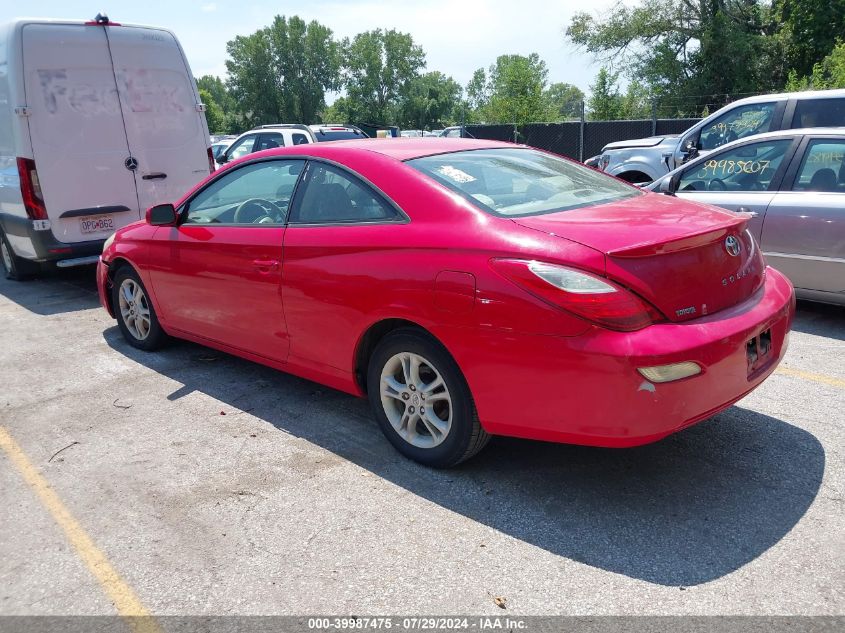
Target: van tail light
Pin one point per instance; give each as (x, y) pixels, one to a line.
(585, 295)
(33, 200)
(212, 166)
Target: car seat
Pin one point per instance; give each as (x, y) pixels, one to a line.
(823, 180)
(331, 203)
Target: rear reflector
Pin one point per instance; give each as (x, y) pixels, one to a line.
(668, 373)
(33, 201)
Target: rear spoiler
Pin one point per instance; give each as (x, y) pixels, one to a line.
(736, 224)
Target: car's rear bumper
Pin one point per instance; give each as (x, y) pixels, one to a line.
(587, 390)
(45, 247)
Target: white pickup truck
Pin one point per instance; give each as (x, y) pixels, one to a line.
(646, 159)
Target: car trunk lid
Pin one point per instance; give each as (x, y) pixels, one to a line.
(687, 259)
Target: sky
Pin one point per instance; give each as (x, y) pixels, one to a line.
(458, 36)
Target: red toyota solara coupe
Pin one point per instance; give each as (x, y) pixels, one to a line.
(467, 288)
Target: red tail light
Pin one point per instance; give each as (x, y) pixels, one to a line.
(212, 166)
(33, 201)
(588, 296)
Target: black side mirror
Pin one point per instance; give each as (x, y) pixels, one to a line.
(162, 215)
(690, 148)
(669, 185)
(222, 159)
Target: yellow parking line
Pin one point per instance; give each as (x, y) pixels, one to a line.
(125, 601)
(806, 375)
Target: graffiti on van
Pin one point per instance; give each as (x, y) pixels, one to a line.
(80, 96)
(156, 92)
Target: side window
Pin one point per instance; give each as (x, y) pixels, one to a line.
(242, 147)
(819, 113)
(747, 168)
(332, 195)
(299, 139)
(258, 193)
(269, 141)
(822, 168)
(738, 123)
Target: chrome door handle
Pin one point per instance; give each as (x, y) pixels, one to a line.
(753, 214)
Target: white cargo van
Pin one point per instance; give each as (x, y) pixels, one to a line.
(98, 121)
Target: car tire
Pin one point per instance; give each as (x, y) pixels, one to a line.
(136, 316)
(15, 267)
(408, 372)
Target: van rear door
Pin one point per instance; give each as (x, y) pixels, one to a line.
(76, 129)
(167, 132)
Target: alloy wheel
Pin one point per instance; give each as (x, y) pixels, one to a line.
(416, 400)
(134, 309)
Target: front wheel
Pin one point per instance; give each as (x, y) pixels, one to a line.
(422, 402)
(136, 316)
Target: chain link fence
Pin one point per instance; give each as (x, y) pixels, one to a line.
(579, 139)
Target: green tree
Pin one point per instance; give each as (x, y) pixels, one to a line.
(307, 62)
(605, 104)
(692, 51)
(252, 80)
(213, 113)
(379, 66)
(828, 73)
(337, 112)
(477, 91)
(809, 30)
(280, 73)
(429, 101)
(218, 91)
(226, 118)
(636, 103)
(515, 86)
(564, 100)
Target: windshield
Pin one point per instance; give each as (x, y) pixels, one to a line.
(515, 182)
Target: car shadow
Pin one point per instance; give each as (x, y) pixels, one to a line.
(54, 292)
(689, 509)
(821, 319)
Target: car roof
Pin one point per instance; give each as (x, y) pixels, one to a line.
(807, 131)
(397, 148)
(806, 94)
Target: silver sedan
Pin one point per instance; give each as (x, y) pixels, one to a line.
(793, 185)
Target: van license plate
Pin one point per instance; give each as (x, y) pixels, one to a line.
(96, 225)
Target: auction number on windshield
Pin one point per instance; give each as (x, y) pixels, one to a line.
(723, 168)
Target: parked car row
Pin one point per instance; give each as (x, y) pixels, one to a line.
(285, 135)
(645, 160)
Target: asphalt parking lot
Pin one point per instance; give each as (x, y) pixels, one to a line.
(193, 482)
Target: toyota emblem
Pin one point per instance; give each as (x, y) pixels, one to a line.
(733, 246)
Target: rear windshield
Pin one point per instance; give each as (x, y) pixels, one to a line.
(337, 135)
(515, 182)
